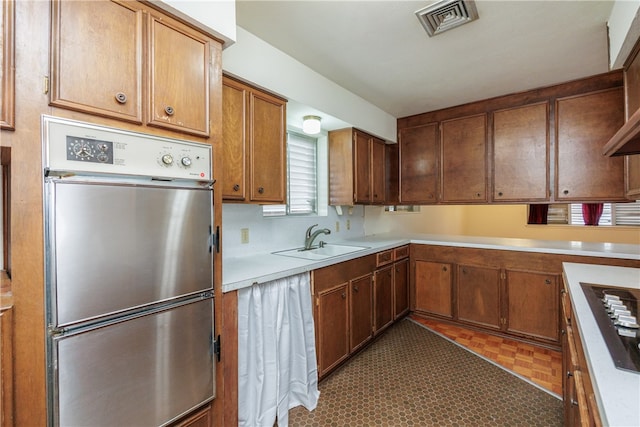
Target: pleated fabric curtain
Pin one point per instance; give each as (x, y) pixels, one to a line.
(591, 213)
(538, 214)
(277, 368)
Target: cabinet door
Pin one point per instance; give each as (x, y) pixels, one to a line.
(632, 179)
(400, 288)
(267, 154)
(96, 58)
(419, 152)
(464, 159)
(584, 125)
(360, 315)
(331, 327)
(235, 98)
(392, 174)
(521, 154)
(433, 288)
(478, 290)
(7, 65)
(361, 167)
(533, 305)
(383, 298)
(377, 171)
(179, 61)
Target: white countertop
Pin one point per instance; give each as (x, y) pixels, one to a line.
(617, 392)
(242, 271)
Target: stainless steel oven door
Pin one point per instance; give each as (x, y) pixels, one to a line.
(146, 370)
(117, 247)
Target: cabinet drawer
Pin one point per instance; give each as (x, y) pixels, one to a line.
(384, 258)
(401, 252)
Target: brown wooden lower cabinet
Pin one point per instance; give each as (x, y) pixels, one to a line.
(351, 307)
(510, 293)
(532, 304)
(361, 307)
(580, 408)
(433, 288)
(400, 288)
(383, 298)
(332, 335)
(478, 300)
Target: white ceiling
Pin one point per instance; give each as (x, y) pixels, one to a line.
(379, 50)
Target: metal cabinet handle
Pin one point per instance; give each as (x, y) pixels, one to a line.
(169, 110)
(121, 98)
(260, 190)
(477, 194)
(547, 282)
(344, 295)
(355, 288)
(236, 187)
(444, 268)
(565, 192)
(500, 193)
(569, 374)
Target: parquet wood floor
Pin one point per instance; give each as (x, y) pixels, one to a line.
(540, 365)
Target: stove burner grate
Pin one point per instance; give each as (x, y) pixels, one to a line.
(616, 312)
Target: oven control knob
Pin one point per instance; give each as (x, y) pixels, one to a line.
(186, 161)
(167, 159)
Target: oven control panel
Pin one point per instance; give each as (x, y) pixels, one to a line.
(71, 146)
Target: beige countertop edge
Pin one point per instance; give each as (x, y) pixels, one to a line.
(245, 271)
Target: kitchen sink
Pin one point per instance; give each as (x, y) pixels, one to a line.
(327, 251)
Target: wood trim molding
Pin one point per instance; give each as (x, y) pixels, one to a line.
(7, 59)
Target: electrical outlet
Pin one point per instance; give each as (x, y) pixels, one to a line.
(337, 226)
(348, 224)
(244, 235)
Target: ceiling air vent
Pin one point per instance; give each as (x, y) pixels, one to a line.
(446, 14)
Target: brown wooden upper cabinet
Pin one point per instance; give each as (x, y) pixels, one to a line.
(254, 144)
(584, 123)
(419, 150)
(133, 63)
(632, 97)
(464, 159)
(7, 66)
(521, 154)
(356, 168)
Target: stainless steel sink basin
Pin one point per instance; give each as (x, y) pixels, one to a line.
(327, 251)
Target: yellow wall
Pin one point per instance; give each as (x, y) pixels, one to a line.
(491, 221)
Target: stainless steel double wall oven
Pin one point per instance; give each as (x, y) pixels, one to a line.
(129, 275)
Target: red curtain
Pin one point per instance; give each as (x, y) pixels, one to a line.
(538, 214)
(591, 213)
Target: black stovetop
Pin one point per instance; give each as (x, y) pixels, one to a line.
(622, 342)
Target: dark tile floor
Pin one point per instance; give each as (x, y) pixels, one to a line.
(413, 377)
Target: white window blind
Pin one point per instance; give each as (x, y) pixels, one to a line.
(612, 214)
(302, 173)
(302, 192)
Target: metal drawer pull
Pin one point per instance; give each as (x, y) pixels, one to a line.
(169, 110)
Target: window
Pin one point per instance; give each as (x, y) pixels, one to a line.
(302, 178)
(612, 214)
(620, 214)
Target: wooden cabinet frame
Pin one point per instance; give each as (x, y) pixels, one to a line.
(7, 63)
(415, 182)
(517, 276)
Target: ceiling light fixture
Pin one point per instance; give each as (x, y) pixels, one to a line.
(311, 124)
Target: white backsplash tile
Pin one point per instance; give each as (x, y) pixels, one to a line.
(274, 234)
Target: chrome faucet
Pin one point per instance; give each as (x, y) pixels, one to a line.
(309, 237)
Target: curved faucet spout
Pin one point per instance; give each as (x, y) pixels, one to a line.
(310, 237)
